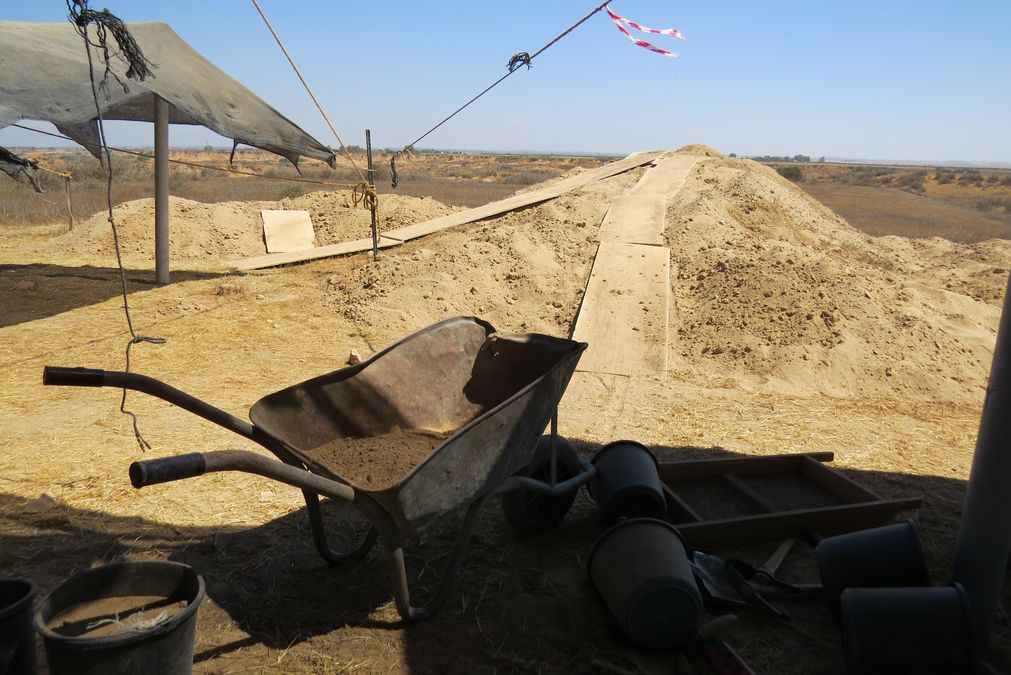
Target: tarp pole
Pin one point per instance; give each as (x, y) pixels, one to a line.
(984, 534)
(161, 190)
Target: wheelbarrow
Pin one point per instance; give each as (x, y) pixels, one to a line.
(483, 397)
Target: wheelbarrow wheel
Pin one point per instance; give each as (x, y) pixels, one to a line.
(529, 512)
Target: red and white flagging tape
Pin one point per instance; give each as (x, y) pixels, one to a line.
(673, 32)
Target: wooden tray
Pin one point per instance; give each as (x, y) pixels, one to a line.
(741, 500)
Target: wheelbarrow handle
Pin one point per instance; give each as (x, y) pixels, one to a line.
(73, 377)
(167, 469)
(153, 471)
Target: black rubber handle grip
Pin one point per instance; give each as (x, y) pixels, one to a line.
(166, 469)
(73, 377)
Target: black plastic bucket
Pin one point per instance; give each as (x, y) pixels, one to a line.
(627, 484)
(17, 637)
(640, 567)
(166, 648)
(889, 556)
(908, 630)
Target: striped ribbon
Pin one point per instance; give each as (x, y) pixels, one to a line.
(619, 20)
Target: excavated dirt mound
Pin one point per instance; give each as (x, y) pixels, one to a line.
(523, 271)
(210, 233)
(773, 289)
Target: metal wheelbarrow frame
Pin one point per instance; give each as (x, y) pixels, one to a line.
(493, 393)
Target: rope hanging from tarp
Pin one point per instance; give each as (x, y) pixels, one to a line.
(105, 23)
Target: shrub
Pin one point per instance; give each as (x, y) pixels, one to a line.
(793, 173)
(912, 181)
(291, 190)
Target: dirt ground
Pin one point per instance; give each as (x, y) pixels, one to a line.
(790, 331)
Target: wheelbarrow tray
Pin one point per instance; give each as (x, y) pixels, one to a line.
(493, 393)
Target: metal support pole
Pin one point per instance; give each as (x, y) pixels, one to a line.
(161, 190)
(372, 205)
(984, 534)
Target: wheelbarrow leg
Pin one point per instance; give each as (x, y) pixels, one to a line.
(319, 535)
(398, 570)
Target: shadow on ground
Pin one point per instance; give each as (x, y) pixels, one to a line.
(37, 291)
(521, 605)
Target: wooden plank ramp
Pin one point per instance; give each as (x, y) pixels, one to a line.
(624, 310)
(635, 219)
(402, 234)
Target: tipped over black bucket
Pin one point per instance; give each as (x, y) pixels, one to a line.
(640, 567)
(17, 637)
(627, 484)
(907, 630)
(130, 617)
(889, 556)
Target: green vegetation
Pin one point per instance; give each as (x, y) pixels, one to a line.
(793, 173)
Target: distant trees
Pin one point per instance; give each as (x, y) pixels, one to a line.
(799, 159)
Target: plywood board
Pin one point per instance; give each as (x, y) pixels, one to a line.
(343, 248)
(287, 231)
(526, 199)
(624, 311)
(409, 232)
(635, 219)
(667, 176)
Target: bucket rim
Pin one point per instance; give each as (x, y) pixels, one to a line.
(628, 441)
(113, 641)
(850, 650)
(25, 599)
(625, 522)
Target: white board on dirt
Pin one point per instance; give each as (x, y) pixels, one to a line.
(287, 231)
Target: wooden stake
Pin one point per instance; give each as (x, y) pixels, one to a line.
(372, 205)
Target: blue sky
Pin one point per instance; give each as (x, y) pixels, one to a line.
(883, 80)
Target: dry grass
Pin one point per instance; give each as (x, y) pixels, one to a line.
(454, 179)
(962, 205)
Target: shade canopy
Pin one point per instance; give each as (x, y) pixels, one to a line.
(44, 75)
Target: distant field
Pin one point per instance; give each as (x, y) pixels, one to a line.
(456, 179)
(963, 205)
(880, 211)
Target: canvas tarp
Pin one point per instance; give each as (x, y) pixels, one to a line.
(44, 76)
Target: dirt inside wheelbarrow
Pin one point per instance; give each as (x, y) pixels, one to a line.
(378, 462)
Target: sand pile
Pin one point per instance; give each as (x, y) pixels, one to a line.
(224, 231)
(523, 271)
(772, 289)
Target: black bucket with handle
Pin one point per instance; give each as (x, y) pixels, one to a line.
(640, 567)
(627, 484)
(129, 617)
(17, 636)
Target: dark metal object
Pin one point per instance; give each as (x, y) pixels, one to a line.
(493, 392)
(627, 483)
(640, 567)
(908, 630)
(17, 637)
(889, 556)
(726, 502)
(984, 533)
(165, 648)
(372, 202)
